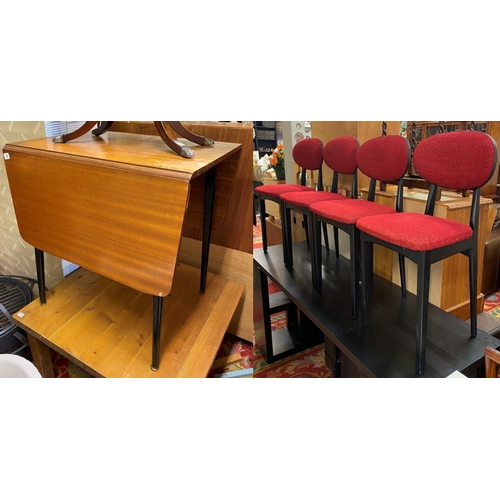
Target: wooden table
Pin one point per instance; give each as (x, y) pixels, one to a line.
(104, 327)
(115, 205)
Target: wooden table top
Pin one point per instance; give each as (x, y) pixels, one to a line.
(105, 327)
(144, 153)
(115, 205)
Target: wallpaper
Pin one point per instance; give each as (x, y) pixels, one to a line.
(16, 256)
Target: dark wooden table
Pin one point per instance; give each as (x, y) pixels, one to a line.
(386, 348)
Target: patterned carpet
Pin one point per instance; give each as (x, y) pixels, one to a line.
(492, 304)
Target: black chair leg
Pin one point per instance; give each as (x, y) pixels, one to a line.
(336, 240)
(473, 291)
(355, 272)
(306, 228)
(423, 284)
(317, 266)
(313, 248)
(325, 236)
(286, 221)
(263, 226)
(402, 273)
(366, 250)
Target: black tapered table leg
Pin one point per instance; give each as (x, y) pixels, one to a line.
(40, 275)
(207, 225)
(157, 310)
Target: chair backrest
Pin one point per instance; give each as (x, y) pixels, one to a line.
(339, 155)
(462, 160)
(308, 155)
(456, 160)
(385, 158)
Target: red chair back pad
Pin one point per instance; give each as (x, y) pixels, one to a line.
(340, 154)
(456, 160)
(384, 158)
(308, 153)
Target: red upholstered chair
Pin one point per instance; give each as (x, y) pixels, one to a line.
(384, 158)
(339, 155)
(308, 155)
(456, 160)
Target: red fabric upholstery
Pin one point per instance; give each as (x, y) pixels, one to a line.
(278, 189)
(304, 199)
(384, 158)
(308, 153)
(415, 231)
(348, 211)
(340, 154)
(456, 160)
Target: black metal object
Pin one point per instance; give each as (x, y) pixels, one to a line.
(14, 295)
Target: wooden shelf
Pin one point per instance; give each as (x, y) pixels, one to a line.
(386, 348)
(105, 327)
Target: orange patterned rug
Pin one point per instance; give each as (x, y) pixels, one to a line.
(307, 364)
(492, 304)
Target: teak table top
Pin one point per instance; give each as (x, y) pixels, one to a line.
(115, 204)
(135, 152)
(105, 327)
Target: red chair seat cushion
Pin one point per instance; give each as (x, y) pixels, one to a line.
(278, 189)
(348, 211)
(417, 232)
(305, 198)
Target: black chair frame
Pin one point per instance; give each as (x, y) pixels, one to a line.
(424, 260)
(355, 248)
(262, 197)
(306, 215)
